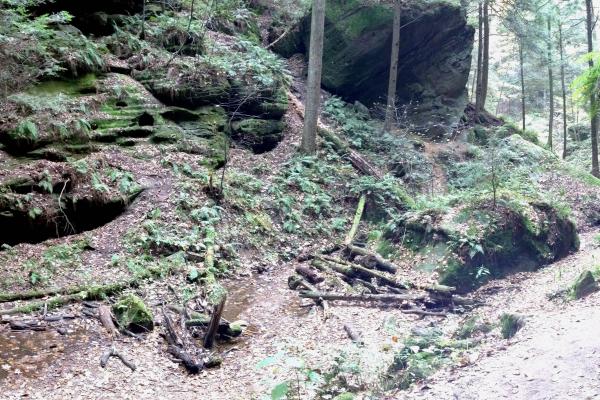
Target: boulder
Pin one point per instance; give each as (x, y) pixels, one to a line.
(584, 285)
(435, 58)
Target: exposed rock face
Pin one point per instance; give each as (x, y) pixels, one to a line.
(435, 58)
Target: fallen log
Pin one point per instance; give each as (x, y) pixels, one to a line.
(27, 326)
(213, 326)
(423, 312)
(388, 298)
(332, 248)
(296, 281)
(380, 262)
(105, 317)
(112, 352)
(352, 334)
(175, 347)
(354, 270)
(356, 222)
(192, 365)
(311, 275)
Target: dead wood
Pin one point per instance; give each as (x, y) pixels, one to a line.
(388, 298)
(380, 262)
(424, 312)
(213, 326)
(353, 334)
(311, 275)
(112, 352)
(106, 318)
(341, 147)
(27, 326)
(176, 347)
(356, 222)
(354, 270)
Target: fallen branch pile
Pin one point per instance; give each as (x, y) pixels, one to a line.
(371, 279)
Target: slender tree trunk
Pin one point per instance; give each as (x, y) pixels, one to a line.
(564, 89)
(485, 62)
(551, 87)
(521, 62)
(313, 86)
(394, 59)
(143, 34)
(473, 84)
(594, 115)
(478, 91)
(499, 99)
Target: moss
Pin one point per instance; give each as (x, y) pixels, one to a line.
(583, 286)
(167, 135)
(512, 237)
(83, 85)
(132, 314)
(510, 324)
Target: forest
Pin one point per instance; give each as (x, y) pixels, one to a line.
(299, 199)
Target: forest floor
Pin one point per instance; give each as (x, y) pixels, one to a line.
(554, 356)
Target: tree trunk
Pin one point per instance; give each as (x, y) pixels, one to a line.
(594, 116)
(485, 58)
(521, 62)
(564, 90)
(551, 87)
(478, 89)
(313, 86)
(390, 111)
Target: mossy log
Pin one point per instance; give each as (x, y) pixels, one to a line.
(356, 222)
(380, 262)
(386, 298)
(353, 270)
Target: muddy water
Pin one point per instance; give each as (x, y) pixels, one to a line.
(28, 353)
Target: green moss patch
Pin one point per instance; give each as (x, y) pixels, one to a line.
(132, 314)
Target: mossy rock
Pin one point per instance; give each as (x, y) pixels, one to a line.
(508, 239)
(258, 134)
(210, 121)
(585, 285)
(48, 153)
(179, 114)
(132, 314)
(186, 84)
(269, 103)
(167, 135)
(510, 324)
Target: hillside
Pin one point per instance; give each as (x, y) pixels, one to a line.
(156, 211)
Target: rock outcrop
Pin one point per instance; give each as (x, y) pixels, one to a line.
(435, 58)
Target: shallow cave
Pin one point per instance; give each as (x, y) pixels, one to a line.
(77, 216)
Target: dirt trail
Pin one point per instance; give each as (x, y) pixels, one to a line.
(555, 356)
